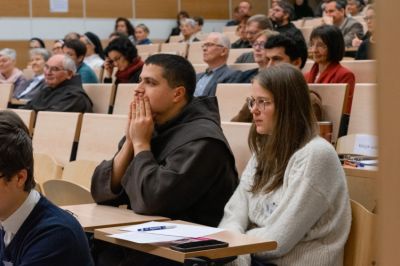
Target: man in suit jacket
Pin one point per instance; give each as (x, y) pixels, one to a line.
(215, 54)
(350, 27)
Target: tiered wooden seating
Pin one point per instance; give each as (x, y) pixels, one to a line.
(195, 53)
(229, 29)
(179, 48)
(233, 37)
(102, 96)
(148, 48)
(306, 31)
(55, 134)
(123, 98)
(100, 134)
(364, 70)
(237, 135)
(79, 172)
(243, 66)
(333, 96)
(363, 118)
(175, 39)
(28, 116)
(63, 192)
(5, 94)
(231, 98)
(45, 168)
(235, 53)
(200, 68)
(359, 247)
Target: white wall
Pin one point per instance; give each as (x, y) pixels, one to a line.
(56, 28)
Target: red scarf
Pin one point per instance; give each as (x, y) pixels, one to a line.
(124, 76)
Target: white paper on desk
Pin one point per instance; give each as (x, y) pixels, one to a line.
(144, 238)
(180, 230)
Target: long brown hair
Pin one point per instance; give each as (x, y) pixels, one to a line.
(294, 125)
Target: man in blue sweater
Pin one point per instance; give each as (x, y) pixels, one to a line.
(33, 231)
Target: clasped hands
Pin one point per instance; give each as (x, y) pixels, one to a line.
(140, 125)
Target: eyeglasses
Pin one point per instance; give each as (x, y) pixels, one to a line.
(368, 18)
(261, 104)
(53, 68)
(258, 45)
(210, 44)
(116, 59)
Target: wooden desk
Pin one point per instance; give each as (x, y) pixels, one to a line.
(92, 216)
(239, 244)
(362, 185)
(18, 102)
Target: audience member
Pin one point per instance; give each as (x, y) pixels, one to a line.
(39, 57)
(123, 55)
(293, 189)
(241, 32)
(215, 55)
(57, 47)
(302, 9)
(33, 231)
(243, 9)
(354, 7)
(335, 9)
(36, 43)
(170, 160)
(177, 30)
(319, 8)
(281, 16)
(72, 36)
(235, 18)
(9, 73)
(123, 25)
(365, 50)
(63, 91)
(142, 34)
(327, 48)
(77, 50)
(114, 35)
(188, 30)
(259, 56)
(94, 56)
(199, 25)
(283, 49)
(254, 25)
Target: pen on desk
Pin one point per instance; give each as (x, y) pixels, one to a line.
(153, 228)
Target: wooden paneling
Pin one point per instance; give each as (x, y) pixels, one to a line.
(41, 8)
(208, 9)
(14, 8)
(156, 9)
(258, 6)
(22, 49)
(108, 8)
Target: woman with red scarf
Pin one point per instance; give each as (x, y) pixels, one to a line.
(123, 55)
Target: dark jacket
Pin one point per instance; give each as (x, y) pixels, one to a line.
(222, 75)
(68, 96)
(189, 174)
(49, 236)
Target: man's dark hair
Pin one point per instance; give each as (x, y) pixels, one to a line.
(176, 70)
(340, 4)
(124, 46)
(199, 20)
(293, 48)
(15, 148)
(76, 45)
(332, 37)
(287, 8)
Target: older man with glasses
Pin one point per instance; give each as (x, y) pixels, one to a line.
(63, 91)
(215, 54)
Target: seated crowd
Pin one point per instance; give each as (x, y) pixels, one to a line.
(174, 159)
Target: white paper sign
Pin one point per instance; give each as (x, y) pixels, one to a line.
(58, 6)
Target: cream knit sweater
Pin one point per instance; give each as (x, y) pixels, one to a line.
(309, 215)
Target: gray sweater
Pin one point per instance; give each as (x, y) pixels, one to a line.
(309, 215)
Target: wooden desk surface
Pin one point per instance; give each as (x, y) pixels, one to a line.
(239, 244)
(360, 172)
(92, 216)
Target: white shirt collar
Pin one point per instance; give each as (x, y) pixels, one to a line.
(12, 224)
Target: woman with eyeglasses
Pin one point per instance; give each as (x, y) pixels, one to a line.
(293, 190)
(327, 48)
(365, 50)
(123, 55)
